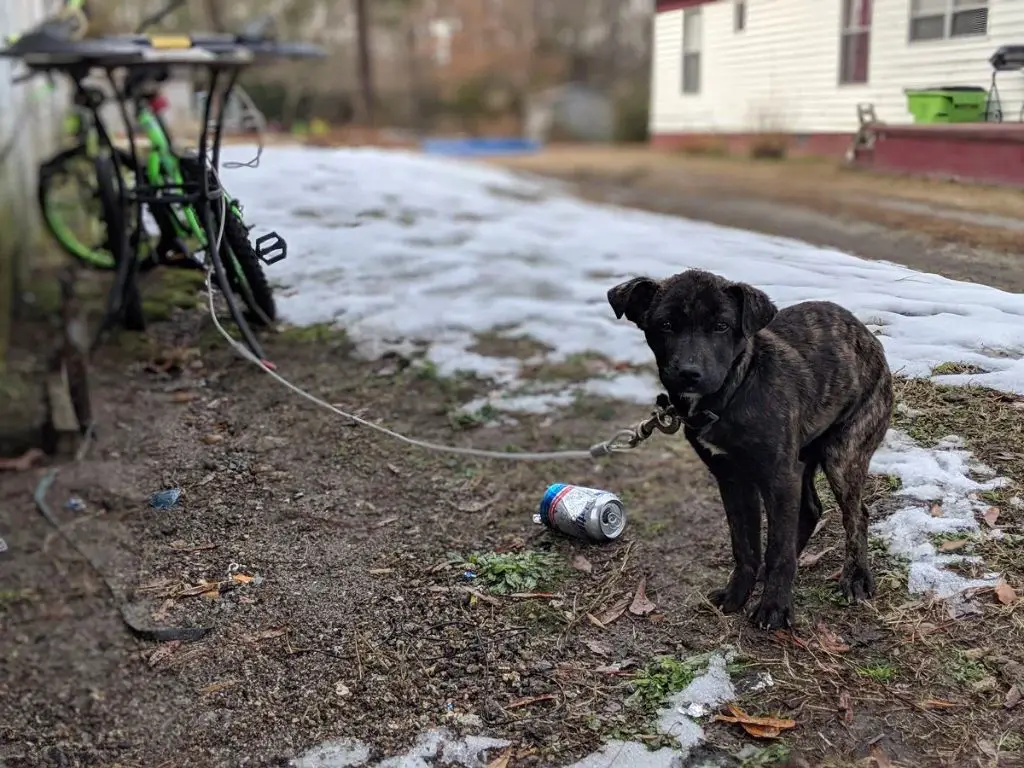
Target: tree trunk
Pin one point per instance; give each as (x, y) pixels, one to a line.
(365, 63)
(215, 12)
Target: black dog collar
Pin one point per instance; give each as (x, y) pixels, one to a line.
(700, 420)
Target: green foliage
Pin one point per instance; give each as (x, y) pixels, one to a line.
(510, 572)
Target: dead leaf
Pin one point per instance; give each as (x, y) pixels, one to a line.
(935, 510)
(213, 438)
(393, 469)
(22, 463)
(580, 563)
(181, 546)
(641, 605)
(163, 652)
(990, 516)
(476, 506)
(881, 759)
(241, 578)
(1004, 593)
(201, 588)
(601, 649)
(829, 641)
(215, 687)
(595, 621)
(501, 761)
(267, 634)
(184, 397)
(759, 727)
(617, 668)
(610, 614)
(527, 701)
(937, 704)
(811, 559)
(380, 571)
(952, 545)
(846, 707)
(1013, 697)
(387, 521)
(482, 597)
(211, 594)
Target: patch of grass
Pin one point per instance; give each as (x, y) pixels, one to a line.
(661, 677)
(950, 368)
(318, 333)
(495, 344)
(574, 368)
(879, 673)
(965, 670)
(755, 757)
(172, 289)
(11, 597)
(509, 572)
(991, 422)
(463, 420)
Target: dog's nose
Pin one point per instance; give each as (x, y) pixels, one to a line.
(687, 375)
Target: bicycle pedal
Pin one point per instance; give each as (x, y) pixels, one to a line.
(271, 248)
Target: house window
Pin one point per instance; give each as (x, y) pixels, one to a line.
(739, 15)
(941, 19)
(855, 42)
(691, 50)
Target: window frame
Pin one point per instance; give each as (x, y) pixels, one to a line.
(949, 13)
(850, 31)
(689, 55)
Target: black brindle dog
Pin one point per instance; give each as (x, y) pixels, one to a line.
(767, 398)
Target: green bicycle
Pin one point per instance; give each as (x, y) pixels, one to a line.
(180, 240)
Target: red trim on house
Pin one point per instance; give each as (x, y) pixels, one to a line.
(797, 145)
(664, 6)
(989, 153)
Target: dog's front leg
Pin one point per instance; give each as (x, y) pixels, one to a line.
(782, 505)
(742, 503)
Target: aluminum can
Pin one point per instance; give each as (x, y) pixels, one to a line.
(583, 513)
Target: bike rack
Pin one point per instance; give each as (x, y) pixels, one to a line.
(223, 58)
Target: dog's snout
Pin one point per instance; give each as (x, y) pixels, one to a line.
(688, 375)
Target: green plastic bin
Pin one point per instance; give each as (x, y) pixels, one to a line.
(954, 104)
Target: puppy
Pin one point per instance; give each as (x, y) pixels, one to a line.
(768, 397)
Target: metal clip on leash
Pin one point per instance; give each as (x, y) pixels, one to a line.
(663, 419)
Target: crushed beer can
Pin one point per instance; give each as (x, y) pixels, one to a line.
(583, 513)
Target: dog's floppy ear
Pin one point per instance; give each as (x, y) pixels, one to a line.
(756, 309)
(633, 298)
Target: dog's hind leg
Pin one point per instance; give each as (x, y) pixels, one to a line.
(810, 505)
(845, 459)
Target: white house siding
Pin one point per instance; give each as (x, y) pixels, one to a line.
(29, 121)
(781, 73)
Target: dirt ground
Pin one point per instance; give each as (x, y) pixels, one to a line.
(345, 579)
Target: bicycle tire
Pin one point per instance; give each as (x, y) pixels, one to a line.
(114, 215)
(237, 251)
(48, 172)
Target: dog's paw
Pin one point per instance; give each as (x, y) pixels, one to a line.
(735, 594)
(772, 614)
(856, 582)
(729, 599)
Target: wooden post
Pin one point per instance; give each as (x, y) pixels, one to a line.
(68, 408)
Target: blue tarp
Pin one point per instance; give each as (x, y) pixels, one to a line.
(480, 146)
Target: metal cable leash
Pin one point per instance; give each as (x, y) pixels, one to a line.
(664, 419)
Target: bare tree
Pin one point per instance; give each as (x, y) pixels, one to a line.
(365, 62)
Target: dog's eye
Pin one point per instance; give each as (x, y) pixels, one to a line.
(722, 328)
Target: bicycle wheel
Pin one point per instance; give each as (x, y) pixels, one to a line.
(245, 272)
(241, 262)
(78, 225)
